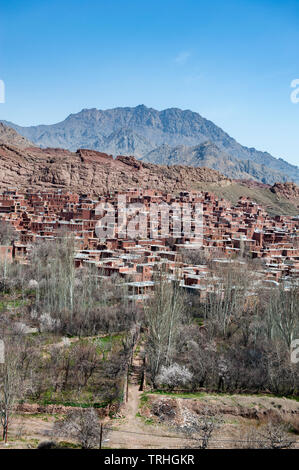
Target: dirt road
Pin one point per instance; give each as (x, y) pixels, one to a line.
(131, 431)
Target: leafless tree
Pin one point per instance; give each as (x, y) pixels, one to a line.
(80, 424)
(8, 233)
(276, 436)
(227, 300)
(163, 316)
(194, 257)
(200, 429)
(12, 384)
(283, 314)
(55, 272)
(269, 436)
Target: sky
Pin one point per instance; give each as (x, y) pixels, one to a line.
(232, 61)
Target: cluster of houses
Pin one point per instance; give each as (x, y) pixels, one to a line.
(133, 245)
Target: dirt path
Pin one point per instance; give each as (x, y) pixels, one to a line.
(131, 431)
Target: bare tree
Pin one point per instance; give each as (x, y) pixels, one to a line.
(226, 300)
(195, 257)
(55, 273)
(200, 429)
(276, 436)
(270, 436)
(12, 387)
(83, 425)
(163, 316)
(283, 314)
(8, 233)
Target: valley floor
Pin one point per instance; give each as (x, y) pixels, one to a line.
(137, 427)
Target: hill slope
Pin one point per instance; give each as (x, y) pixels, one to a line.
(10, 136)
(88, 171)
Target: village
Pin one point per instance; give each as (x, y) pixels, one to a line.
(229, 233)
(149, 231)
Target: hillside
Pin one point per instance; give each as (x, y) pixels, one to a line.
(289, 191)
(11, 137)
(88, 171)
(141, 130)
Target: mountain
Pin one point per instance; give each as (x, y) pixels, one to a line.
(89, 171)
(126, 142)
(10, 136)
(144, 129)
(210, 156)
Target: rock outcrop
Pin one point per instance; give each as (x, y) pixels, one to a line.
(11, 137)
(289, 191)
(89, 171)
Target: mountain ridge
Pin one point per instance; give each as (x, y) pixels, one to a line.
(209, 155)
(148, 129)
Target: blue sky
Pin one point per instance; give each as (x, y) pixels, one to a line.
(232, 61)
